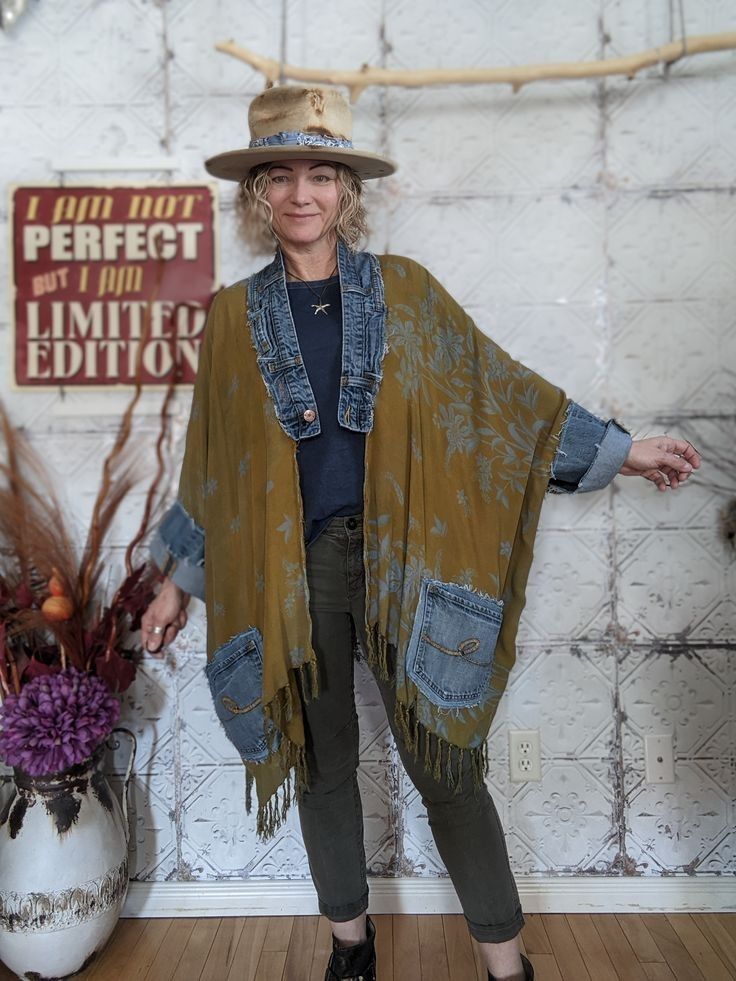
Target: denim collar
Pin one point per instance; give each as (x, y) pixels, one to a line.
(363, 344)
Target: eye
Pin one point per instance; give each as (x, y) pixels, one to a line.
(323, 178)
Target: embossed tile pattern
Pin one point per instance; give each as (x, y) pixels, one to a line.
(590, 228)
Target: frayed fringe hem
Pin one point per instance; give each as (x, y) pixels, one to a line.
(377, 654)
(280, 709)
(443, 760)
(272, 814)
(308, 680)
(288, 756)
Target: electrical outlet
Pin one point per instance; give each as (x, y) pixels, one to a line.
(524, 755)
(659, 758)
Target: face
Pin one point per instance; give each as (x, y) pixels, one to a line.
(303, 195)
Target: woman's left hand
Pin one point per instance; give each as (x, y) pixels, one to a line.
(665, 461)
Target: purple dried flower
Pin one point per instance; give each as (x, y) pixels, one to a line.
(57, 721)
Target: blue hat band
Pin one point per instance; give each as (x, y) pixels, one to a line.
(297, 138)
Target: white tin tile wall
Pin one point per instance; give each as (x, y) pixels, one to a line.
(591, 229)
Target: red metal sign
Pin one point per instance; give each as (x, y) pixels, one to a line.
(111, 281)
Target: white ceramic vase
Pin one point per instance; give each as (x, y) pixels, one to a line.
(63, 868)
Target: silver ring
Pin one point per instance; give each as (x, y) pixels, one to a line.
(157, 630)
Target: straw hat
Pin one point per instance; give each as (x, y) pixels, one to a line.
(291, 121)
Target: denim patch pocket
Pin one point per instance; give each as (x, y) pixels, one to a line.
(452, 645)
(235, 677)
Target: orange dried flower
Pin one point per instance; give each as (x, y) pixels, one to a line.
(55, 585)
(57, 608)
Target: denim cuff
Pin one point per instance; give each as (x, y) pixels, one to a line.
(590, 453)
(177, 548)
(612, 452)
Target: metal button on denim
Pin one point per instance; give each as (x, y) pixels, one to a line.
(309, 415)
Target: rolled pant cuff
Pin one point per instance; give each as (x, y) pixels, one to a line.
(341, 914)
(497, 934)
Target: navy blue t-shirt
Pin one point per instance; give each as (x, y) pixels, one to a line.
(331, 465)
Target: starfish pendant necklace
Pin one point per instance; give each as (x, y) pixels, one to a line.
(320, 306)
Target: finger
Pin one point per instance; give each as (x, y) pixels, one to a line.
(685, 449)
(676, 479)
(658, 478)
(674, 462)
(673, 477)
(171, 631)
(154, 639)
(693, 456)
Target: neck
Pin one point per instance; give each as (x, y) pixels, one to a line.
(312, 263)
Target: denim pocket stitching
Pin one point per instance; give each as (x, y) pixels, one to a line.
(232, 706)
(462, 649)
(244, 649)
(220, 662)
(467, 613)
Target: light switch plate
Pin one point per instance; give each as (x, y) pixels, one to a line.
(659, 758)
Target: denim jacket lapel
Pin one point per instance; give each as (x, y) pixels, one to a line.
(363, 344)
(363, 337)
(277, 351)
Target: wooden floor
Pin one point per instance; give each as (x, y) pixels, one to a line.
(579, 947)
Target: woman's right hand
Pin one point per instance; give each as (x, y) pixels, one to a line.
(164, 618)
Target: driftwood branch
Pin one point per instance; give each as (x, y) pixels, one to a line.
(516, 77)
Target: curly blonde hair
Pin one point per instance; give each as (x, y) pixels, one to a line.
(350, 224)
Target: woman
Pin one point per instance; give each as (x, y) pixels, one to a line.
(341, 394)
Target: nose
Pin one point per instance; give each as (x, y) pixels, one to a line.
(301, 191)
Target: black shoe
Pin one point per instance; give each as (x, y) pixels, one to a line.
(356, 963)
(528, 970)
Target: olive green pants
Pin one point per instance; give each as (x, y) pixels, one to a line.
(465, 825)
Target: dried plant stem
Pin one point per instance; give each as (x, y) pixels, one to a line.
(163, 432)
(104, 504)
(516, 77)
(4, 685)
(14, 675)
(111, 641)
(12, 471)
(4, 680)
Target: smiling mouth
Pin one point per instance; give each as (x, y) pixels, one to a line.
(302, 216)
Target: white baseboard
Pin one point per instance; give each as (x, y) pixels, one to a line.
(543, 894)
